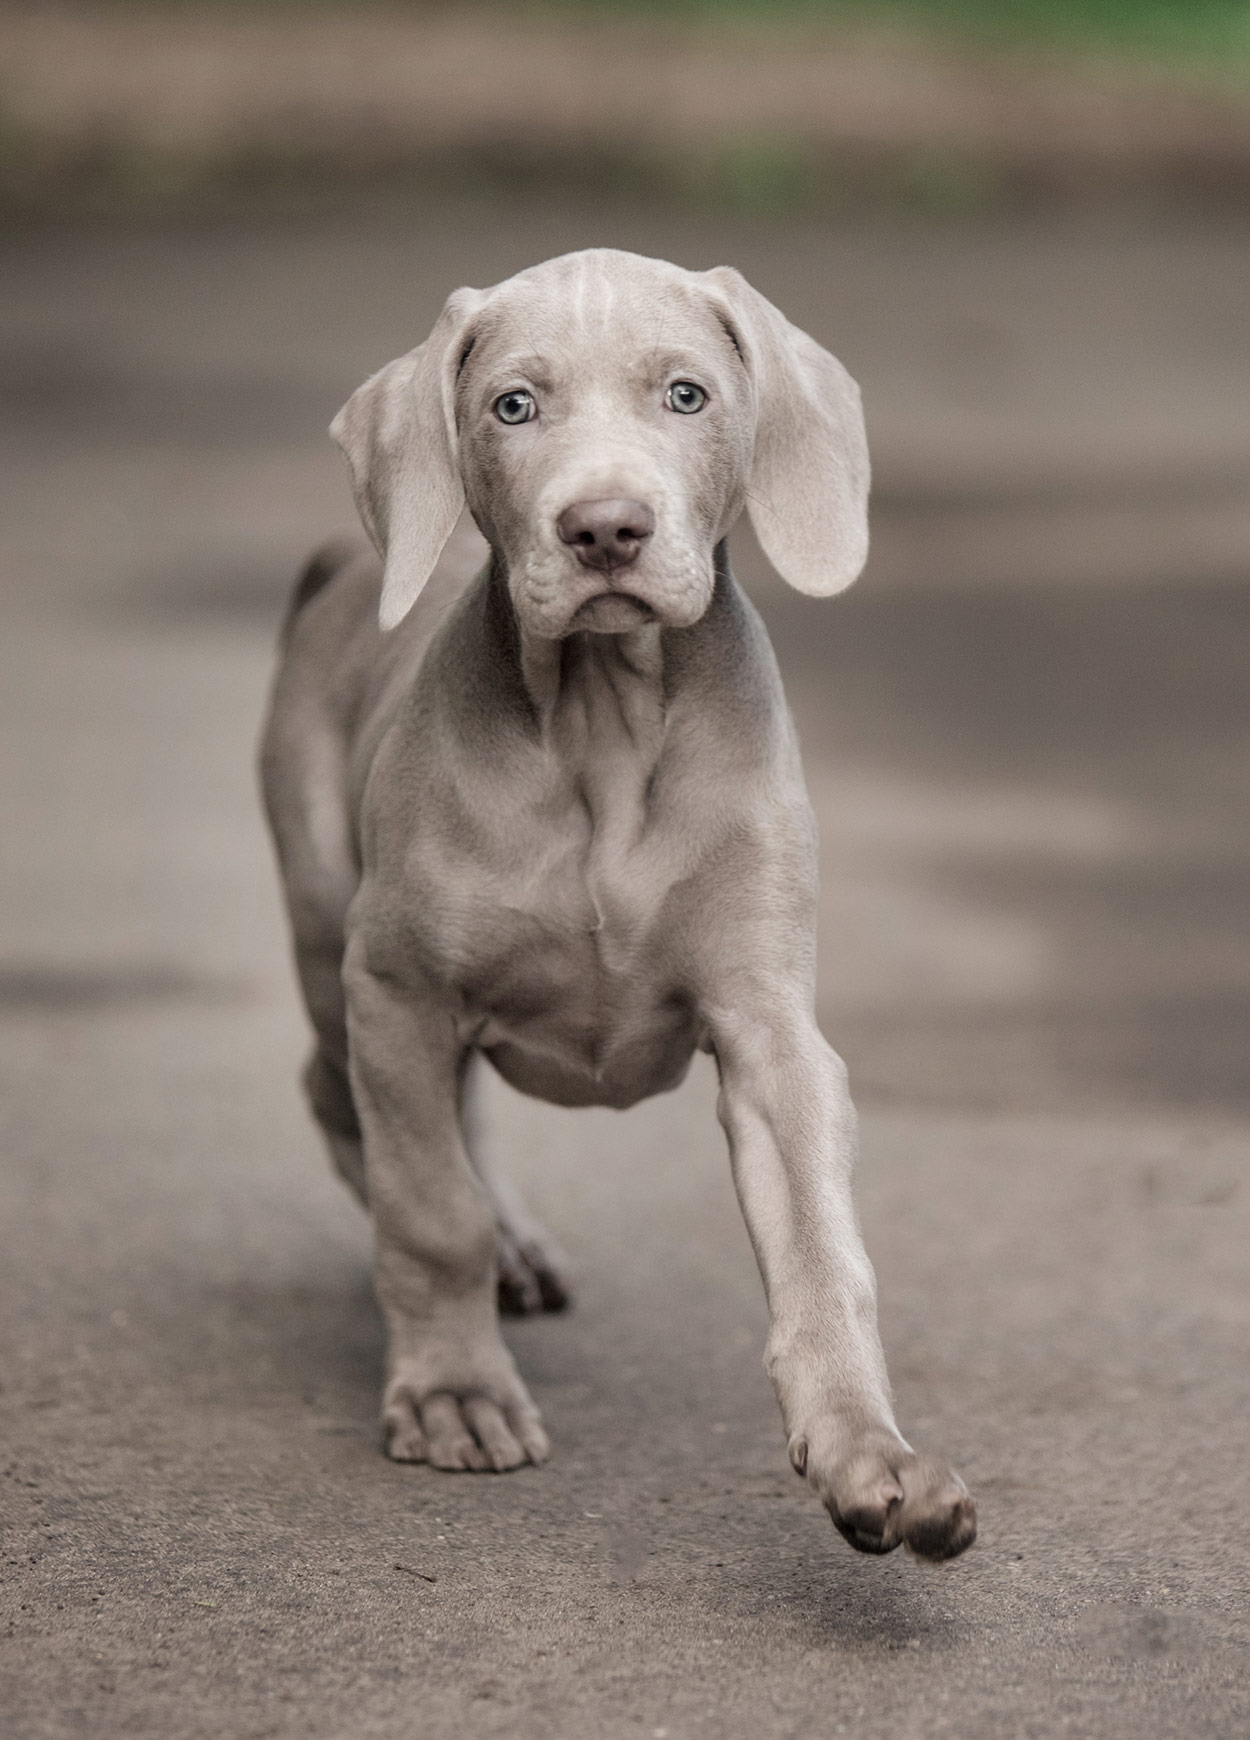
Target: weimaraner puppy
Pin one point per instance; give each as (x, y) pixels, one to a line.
(552, 814)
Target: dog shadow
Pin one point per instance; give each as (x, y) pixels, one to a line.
(848, 1603)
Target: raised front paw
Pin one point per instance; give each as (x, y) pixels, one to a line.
(881, 1495)
(481, 1422)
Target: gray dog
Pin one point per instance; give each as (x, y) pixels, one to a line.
(552, 813)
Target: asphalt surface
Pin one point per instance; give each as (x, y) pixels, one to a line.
(1027, 738)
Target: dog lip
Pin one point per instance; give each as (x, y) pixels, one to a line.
(639, 604)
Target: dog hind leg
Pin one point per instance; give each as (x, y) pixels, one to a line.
(532, 1268)
(330, 1097)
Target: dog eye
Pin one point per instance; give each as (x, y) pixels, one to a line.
(685, 397)
(515, 407)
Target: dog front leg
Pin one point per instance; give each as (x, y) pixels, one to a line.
(792, 1135)
(453, 1396)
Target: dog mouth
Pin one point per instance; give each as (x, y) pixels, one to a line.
(611, 613)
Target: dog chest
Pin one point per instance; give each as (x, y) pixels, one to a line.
(560, 946)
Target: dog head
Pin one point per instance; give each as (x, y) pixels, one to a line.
(607, 418)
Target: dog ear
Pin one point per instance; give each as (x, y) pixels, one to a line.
(808, 492)
(398, 435)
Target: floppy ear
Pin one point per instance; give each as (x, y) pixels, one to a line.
(808, 494)
(398, 434)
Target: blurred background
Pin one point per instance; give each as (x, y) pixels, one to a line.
(1025, 228)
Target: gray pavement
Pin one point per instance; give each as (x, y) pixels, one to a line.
(1026, 733)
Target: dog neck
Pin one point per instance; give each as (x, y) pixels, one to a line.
(589, 685)
(601, 706)
(598, 703)
(601, 677)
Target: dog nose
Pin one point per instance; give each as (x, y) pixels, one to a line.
(606, 534)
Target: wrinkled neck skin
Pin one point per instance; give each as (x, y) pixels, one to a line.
(598, 703)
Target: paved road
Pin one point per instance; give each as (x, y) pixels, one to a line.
(1027, 738)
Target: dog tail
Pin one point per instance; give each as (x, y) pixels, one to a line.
(316, 575)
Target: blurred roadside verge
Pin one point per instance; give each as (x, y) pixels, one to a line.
(198, 107)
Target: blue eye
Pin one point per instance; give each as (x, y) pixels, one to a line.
(515, 407)
(685, 397)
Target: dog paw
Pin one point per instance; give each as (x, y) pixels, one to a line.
(531, 1277)
(882, 1495)
(464, 1428)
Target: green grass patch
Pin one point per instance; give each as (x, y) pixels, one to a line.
(1212, 32)
(1170, 29)
(1211, 29)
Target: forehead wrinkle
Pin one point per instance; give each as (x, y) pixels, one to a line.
(581, 292)
(607, 298)
(592, 299)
